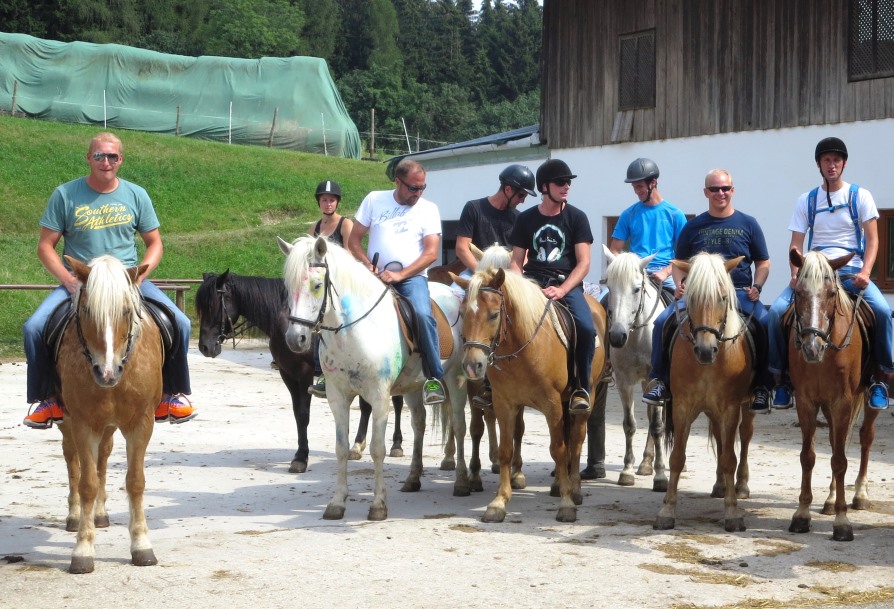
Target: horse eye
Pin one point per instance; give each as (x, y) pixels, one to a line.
(636, 290)
(493, 316)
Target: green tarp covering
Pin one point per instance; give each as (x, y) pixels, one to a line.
(243, 101)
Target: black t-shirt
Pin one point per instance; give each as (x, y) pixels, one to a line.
(550, 240)
(486, 225)
(335, 237)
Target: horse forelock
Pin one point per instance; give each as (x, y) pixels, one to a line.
(815, 270)
(110, 294)
(495, 257)
(709, 287)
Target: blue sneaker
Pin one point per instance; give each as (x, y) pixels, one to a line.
(782, 397)
(878, 396)
(657, 395)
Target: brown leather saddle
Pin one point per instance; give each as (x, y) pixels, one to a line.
(409, 325)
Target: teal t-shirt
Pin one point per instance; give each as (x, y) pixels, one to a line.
(93, 223)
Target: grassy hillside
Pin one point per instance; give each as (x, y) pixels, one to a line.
(220, 206)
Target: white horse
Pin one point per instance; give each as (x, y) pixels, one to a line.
(634, 302)
(363, 352)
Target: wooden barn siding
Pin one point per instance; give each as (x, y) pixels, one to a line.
(721, 66)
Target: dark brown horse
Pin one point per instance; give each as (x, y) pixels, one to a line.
(710, 372)
(829, 367)
(260, 302)
(109, 367)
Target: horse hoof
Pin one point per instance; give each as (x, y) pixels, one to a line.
(566, 514)
(396, 452)
(493, 515)
(411, 486)
(448, 465)
(645, 470)
(297, 467)
(577, 498)
(495, 468)
(72, 525)
(101, 522)
(461, 491)
(799, 525)
(354, 455)
(143, 558)
(476, 486)
(334, 512)
(518, 482)
(743, 492)
(659, 486)
(592, 472)
(377, 514)
(734, 525)
(842, 532)
(718, 492)
(828, 509)
(81, 564)
(626, 480)
(663, 523)
(861, 503)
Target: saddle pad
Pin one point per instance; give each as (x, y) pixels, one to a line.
(409, 327)
(445, 335)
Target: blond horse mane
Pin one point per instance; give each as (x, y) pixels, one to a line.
(709, 287)
(344, 269)
(815, 271)
(110, 294)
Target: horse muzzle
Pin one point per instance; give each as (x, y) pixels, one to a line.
(299, 339)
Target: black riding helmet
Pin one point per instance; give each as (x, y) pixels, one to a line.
(551, 170)
(519, 177)
(830, 144)
(642, 169)
(328, 188)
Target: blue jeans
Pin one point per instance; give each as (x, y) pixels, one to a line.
(41, 375)
(585, 346)
(660, 369)
(883, 324)
(415, 289)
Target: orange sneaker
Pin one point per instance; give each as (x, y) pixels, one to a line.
(43, 417)
(172, 409)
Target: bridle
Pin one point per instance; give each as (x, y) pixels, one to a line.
(85, 349)
(229, 329)
(718, 332)
(638, 314)
(316, 326)
(826, 335)
(490, 350)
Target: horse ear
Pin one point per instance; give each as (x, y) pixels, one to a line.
(732, 263)
(223, 277)
(80, 269)
(320, 247)
(681, 264)
(135, 271)
(284, 245)
(499, 279)
(477, 253)
(608, 254)
(645, 261)
(460, 281)
(795, 257)
(842, 261)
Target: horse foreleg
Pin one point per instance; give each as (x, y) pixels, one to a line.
(626, 478)
(359, 446)
(301, 412)
(340, 412)
(575, 444)
(667, 516)
(596, 436)
(558, 449)
(101, 516)
(417, 419)
(82, 557)
(517, 477)
(476, 431)
(807, 420)
(867, 436)
(379, 508)
(448, 462)
(73, 465)
(656, 432)
(496, 510)
(141, 553)
(733, 519)
(457, 398)
(493, 442)
(397, 438)
(746, 432)
(838, 428)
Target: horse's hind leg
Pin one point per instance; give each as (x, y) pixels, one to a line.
(397, 438)
(73, 465)
(656, 432)
(476, 431)
(867, 436)
(807, 420)
(746, 432)
(359, 446)
(141, 552)
(301, 412)
(733, 519)
(838, 430)
(517, 477)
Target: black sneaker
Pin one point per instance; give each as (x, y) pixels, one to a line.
(657, 395)
(318, 389)
(761, 401)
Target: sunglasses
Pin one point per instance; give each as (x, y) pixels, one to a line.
(413, 188)
(111, 157)
(720, 188)
(561, 182)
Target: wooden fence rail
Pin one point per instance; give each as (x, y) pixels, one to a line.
(179, 286)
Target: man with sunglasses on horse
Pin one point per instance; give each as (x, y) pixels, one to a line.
(730, 233)
(95, 215)
(837, 218)
(404, 227)
(551, 244)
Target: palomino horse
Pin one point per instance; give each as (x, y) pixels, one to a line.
(363, 352)
(109, 367)
(222, 300)
(711, 372)
(829, 366)
(508, 322)
(634, 302)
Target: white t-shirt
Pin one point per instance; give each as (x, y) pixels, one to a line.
(834, 231)
(396, 231)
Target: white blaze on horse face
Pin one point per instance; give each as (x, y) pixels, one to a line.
(108, 367)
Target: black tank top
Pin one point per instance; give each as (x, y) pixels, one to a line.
(335, 237)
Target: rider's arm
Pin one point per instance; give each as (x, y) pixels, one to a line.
(46, 253)
(464, 252)
(355, 244)
(154, 251)
(430, 246)
(761, 272)
(518, 259)
(870, 232)
(679, 277)
(617, 246)
(797, 242)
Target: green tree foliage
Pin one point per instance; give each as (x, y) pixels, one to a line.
(322, 25)
(254, 28)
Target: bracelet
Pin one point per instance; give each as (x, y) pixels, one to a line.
(758, 287)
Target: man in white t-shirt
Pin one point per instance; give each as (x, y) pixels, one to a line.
(405, 228)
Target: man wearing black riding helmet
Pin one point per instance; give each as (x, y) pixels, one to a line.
(551, 244)
(837, 218)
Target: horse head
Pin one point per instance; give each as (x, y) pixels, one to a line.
(632, 299)
(217, 313)
(483, 314)
(108, 315)
(307, 279)
(711, 304)
(818, 295)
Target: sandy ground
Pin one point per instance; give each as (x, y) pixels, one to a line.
(232, 528)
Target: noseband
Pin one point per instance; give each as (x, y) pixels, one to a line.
(694, 331)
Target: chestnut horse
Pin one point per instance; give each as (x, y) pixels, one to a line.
(109, 367)
(711, 372)
(508, 322)
(829, 365)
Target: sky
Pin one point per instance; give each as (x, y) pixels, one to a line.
(477, 3)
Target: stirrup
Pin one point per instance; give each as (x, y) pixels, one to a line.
(579, 402)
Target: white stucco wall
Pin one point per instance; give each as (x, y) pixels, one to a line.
(770, 169)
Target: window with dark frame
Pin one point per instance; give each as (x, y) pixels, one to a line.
(870, 39)
(636, 81)
(883, 271)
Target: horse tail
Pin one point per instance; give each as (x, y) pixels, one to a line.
(442, 417)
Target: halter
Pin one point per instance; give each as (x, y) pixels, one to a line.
(825, 335)
(317, 326)
(235, 330)
(491, 349)
(717, 332)
(642, 305)
(86, 350)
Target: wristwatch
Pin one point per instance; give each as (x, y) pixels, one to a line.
(758, 287)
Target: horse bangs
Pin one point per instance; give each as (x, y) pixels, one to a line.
(297, 263)
(707, 284)
(812, 277)
(623, 269)
(110, 293)
(475, 287)
(495, 257)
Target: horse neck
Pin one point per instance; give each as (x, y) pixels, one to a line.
(261, 301)
(362, 292)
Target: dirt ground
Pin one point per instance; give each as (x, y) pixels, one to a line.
(233, 528)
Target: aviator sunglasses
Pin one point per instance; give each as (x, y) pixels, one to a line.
(413, 188)
(111, 157)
